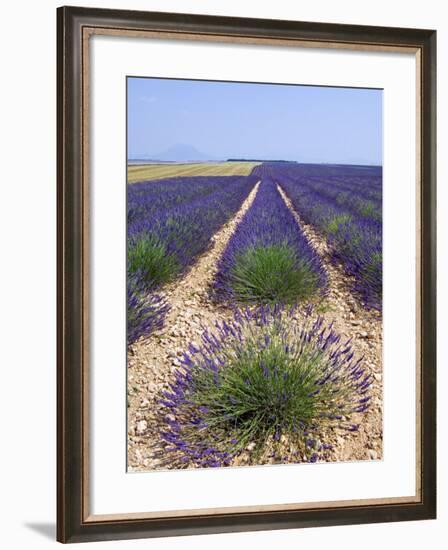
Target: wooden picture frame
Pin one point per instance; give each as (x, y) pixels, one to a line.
(75, 26)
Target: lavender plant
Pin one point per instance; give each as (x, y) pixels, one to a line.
(145, 311)
(358, 247)
(147, 257)
(268, 259)
(270, 380)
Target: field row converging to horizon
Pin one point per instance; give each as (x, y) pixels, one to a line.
(270, 376)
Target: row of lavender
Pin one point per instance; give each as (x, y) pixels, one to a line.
(149, 198)
(170, 223)
(184, 228)
(344, 204)
(268, 259)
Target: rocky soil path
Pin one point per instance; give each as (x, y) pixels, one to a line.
(364, 327)
(151, 362)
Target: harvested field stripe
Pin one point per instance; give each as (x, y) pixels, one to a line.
(149, 172)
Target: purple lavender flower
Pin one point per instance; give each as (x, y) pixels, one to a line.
(232, 390)
(145, 311)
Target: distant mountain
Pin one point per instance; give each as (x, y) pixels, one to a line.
(182, 153)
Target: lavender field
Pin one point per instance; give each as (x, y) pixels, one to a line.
(345, 205)
(255, 316)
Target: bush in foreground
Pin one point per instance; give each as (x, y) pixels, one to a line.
(263, 381)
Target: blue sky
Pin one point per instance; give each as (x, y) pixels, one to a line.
(263, 121)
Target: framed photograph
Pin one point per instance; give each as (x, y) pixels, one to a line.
(246, 274)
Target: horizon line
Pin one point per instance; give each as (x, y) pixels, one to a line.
(201, 161)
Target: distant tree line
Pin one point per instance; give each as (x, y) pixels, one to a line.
(260, 160)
